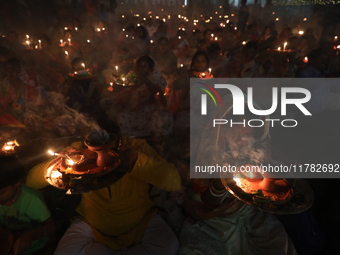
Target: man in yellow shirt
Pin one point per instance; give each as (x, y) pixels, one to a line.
(125, 221)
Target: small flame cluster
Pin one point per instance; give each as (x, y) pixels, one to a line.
(9, 146)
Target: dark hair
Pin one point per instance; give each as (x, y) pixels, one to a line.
(77, 61)
(11, 171)
(195, 56)
(207, 31)
(14, 63)
(163, 38)
(147, 59)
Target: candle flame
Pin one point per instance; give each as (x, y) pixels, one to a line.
(10, 145)
(55, 174)
(70, 162)
(238, 181)
(51, 152)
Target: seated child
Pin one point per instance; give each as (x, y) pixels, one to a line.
(25, 221)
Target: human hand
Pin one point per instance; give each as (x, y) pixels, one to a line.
(6, 241)
(22, 243)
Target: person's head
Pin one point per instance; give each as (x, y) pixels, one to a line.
(243, 2)
(266, 30)
(200, 62)
(78, 64)
(207, 34)
(197, 34)
(141, 32)
(163, 44)
(11, 175)
(144, 66)
(318, 59)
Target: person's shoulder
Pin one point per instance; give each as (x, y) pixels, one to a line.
(30, 192)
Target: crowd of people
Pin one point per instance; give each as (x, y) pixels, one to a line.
(130, 71)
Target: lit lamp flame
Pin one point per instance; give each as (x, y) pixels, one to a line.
(244, 43)
(52, 153)
(56, 174)
(305, 60)
(9, 146)
(70, 162)
(238, 181)
(301, 32)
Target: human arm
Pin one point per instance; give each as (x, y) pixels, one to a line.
(153, 169)
(6, 241)
(25, 240)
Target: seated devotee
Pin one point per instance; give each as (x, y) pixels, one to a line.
(180, 96)
(181, 48)
(144, 103)
(82, 90)
(122, 219)
(21, 86)
(217, 222)
(25, 221)
(164, 57)
(206, 40)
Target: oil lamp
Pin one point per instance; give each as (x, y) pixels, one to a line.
(88, 169)
(9, 146)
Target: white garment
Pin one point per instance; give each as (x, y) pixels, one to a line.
(158, 239)
(248, 231)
